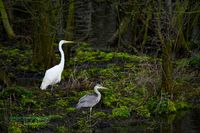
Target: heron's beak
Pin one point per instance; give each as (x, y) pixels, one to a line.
(104, 88)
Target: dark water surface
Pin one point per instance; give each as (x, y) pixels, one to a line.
(185, 122)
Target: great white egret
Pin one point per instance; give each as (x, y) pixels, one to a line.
(90, 100)
(53, 75)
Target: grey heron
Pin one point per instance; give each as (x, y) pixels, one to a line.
(90, 100)
(53, 75)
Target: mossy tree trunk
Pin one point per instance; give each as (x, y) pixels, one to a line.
(43, 54)
(70, 27)
(164, 36)
(6, 23)
(167, 69)
(173, 18)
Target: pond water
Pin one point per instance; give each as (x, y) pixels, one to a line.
(185, 122)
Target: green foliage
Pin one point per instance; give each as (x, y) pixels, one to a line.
(143, 112)
(16, 57)
(171, 106)
(61, 103)
(54, 117)
(17, 91)
(35, 118)
(31, 122)
(128, 77)
(27, 101)
(85, 54)
(83, 125)
(110, 99)
(36, 125)
(180, 105)
(152, 103)
(195, 61)
(162, 106)
(166, 106)
(61, 129)
(71, 110)
(15, 127)
(121, 112)
(99, 115)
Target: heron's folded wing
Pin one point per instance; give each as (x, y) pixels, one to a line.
(88, 97)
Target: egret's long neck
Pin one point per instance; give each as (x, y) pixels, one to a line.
(62, 61)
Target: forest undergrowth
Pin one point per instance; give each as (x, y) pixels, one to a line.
(133, 96)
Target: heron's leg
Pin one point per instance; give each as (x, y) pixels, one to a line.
(90, 112)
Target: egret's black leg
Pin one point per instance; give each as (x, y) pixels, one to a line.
(52, 90)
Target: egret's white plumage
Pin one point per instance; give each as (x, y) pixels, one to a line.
(90, 100)
(53, 75)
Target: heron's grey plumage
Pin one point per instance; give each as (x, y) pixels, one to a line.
(90, 100)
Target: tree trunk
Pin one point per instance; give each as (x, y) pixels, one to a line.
(167, 68)
(70, 27)
(43, 54)
(6, 23)
(166, 46)
(4, 79)
(70, 21)
(120, 31)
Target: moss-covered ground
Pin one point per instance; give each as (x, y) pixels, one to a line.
(133, 82)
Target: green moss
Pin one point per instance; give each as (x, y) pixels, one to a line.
(26, 101)
(71, 110)
(99, 115)
(110, 99)
(83, 125)
(182, 105)
(171, 106)
(36, 125)
(35, 118)
(195, 61)
(15, 127)
(61, 129)
(130, 79)
(55, 117)
(18, 91)
(61, 103)
(122, 112)
(166, 106)
(143, 112)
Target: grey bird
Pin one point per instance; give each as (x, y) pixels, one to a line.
(90, 100)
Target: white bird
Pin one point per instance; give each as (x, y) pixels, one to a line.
(53, 75)
(90, 100)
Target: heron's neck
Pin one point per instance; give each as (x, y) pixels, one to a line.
(62, 61)
(97, 92)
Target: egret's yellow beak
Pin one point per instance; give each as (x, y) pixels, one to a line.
(69, 42)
